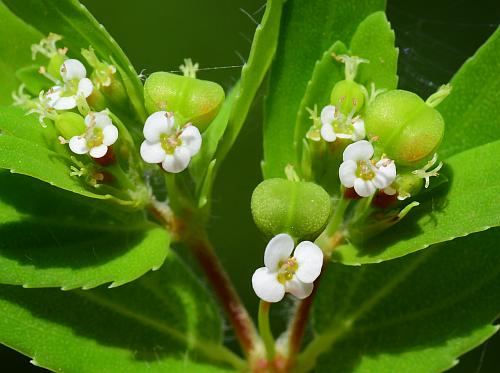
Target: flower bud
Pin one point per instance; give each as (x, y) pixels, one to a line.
(347, 96)
(298, 208)
(404, 127)
(408, 185)
(70, 124)
(196, 101)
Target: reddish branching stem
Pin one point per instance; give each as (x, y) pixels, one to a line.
(236, 313)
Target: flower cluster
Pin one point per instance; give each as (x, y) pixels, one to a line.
(98, 136)
(77, 103)
(168, 143)
(284, 273)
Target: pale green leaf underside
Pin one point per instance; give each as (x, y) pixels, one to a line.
(29, 149)
(163, 322)
(416, 314)
(52, 238)
(80, 30)
(470, 204)
(308, 29)
(472, 111)
(15, 42)
(374, 40)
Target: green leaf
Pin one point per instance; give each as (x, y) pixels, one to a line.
(374, 40)
(29, 149)
(264, 46)
(308, 29)
(472, 111)
(326, 73)
(471, 204)
(51, 238)
(163, 322)
(410, 315)
(80, 29)
(15, 43)
(33, 80)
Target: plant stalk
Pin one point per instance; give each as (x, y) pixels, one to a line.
(265, 330)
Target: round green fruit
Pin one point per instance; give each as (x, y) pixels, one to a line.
(347, 96)
(196, 101)
(404, 127)
(70, 124)
(300, 209)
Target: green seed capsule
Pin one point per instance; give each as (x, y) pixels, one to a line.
(55, 63)
(406, 128)
(347, 96)
(70, 124)
(300, 209)
(197, 101)
(408, 185)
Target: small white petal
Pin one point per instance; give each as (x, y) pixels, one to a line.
(100, 119)
(73, 69)
(310, 260)
(191, 138)
(178, 161)
(298, 288)
(364, 188)
(65, 103)
(344, 136)
(98, 151)
(85, 87)
(358, 151)
(152, 152)
(157, 124)
(278, 250)
(110, 135)
(53, 94)
(385, 173)
(327, 133)
(328, 114)
(266, 285)
(347, 173)
(78, 145)
(359, 130)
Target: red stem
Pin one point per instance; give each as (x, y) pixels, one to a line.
(217, 276)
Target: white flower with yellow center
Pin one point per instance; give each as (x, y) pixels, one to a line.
(335, 125)
(100, 133)
(64, 96)
(283, 273)
(169, 144)
(364, 174)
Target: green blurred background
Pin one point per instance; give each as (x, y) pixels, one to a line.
(434, 37)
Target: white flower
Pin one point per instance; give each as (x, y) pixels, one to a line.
(100, 134)
(169, 144)
(283, 273)
(359, 171)
(75, 84)
(335, 125)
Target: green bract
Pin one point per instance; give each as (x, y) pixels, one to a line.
(300, 209)
(404, 127)
(347, 96)
(196, 101)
